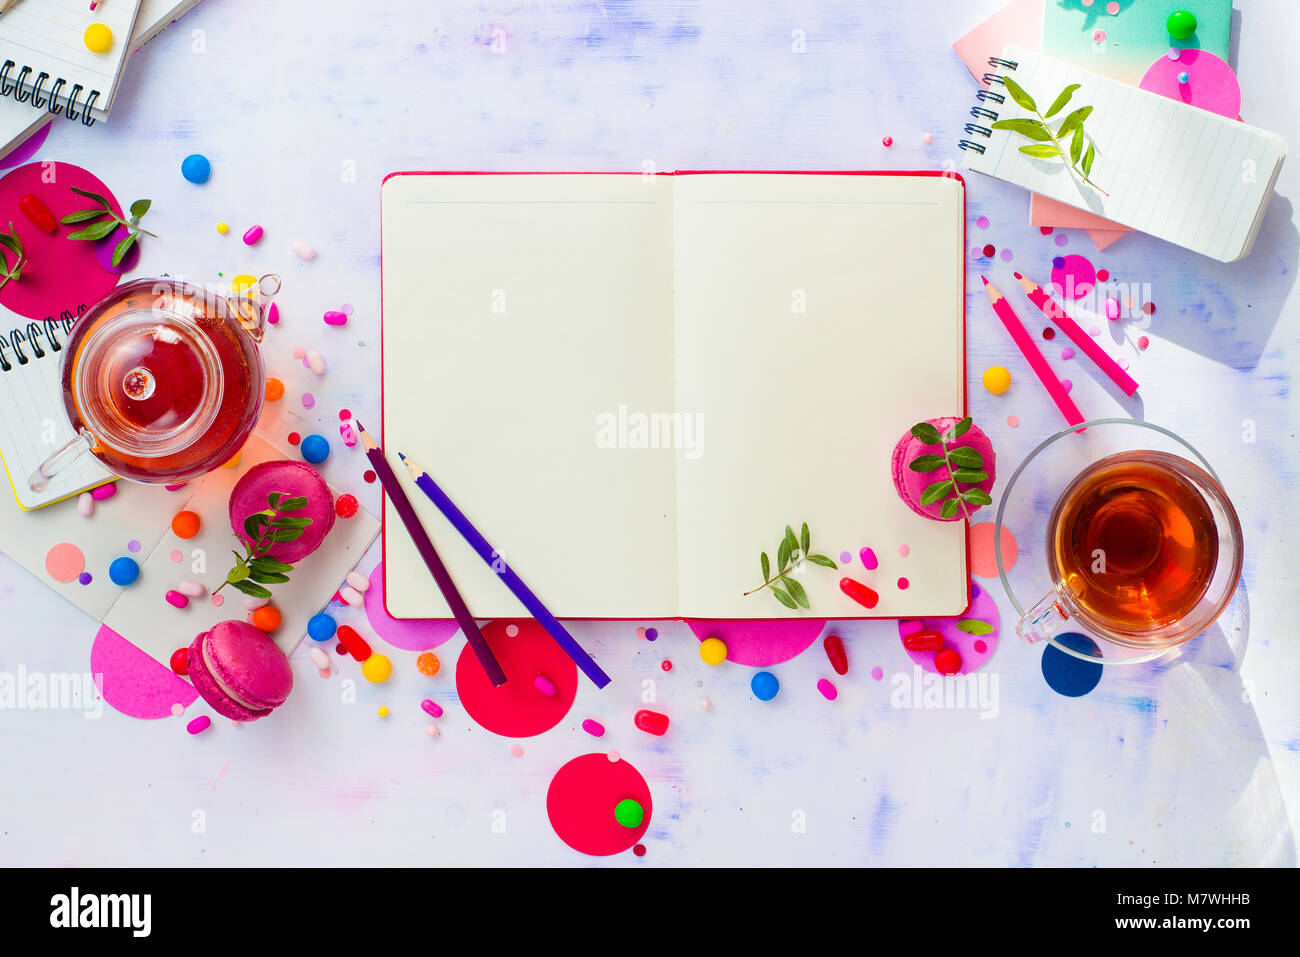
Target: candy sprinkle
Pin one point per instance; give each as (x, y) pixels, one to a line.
(199, 724)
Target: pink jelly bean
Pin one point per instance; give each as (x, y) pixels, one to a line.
(594, 728)
(176, 598)
(827, 689)
(273, 314)
(431, 708)
(199, 724)
(349, 435)
(104, 491)
(253, 236)
(651, 722)
(336, 318)
(544, 685)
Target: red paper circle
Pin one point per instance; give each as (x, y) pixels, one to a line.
(581, 802)
(517, 709)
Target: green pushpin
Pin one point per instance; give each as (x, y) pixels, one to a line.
(1181, 24)
(629, 813)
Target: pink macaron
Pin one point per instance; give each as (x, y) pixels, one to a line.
(911, 485)
(239, 671)
(293, 480)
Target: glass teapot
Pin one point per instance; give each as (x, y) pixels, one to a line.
(162, 380)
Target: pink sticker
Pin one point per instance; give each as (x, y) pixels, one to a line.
(760, 643)
(581, 801)
(64, 562)
(515, 709)
(983, 560)
(134, 683)
(411, 634)
(1211, 84)
(982, 610)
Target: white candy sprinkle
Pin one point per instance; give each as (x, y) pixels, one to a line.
(358, 581)
(252, 604)
(432, 731)
(86, 504)
(351, 595)
(192, 589)
(322, 660)
(302, 250)
(316, 362)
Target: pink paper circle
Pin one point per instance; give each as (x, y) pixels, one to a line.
(517, 709)
(1211, 83)
(24, 152)
(581, 800)
(64, 562)
(983, 558)
(1074, 277)
(414, 634)
(761, 643)
(61, 276)
(132, 682)
(972, 659)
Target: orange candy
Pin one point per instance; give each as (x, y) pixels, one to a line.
(267, 618)
(428, 664)
(186, 524)
(274, 390)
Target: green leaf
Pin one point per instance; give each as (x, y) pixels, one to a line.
(977, 497)
(970, 476)
(140, 207)
(268, 578)
(961, 428)
(253, 591)
(253, 525)
(292, 504)
(783, 598)
(12, 243)
(97, 231)
(123, 247)
(823, 561)
(239, 559)
(797, 593)
(81, 215)
(950, 508)
(805, 539)
(265, 563)
(287, 535)
(287, 521)
(926, 463)
(783, 555)
(1074, 119)
(1019, 95)
(1040, 151)
(237, 574)
(936, 491)
(966, 457)
(974, 626)
(95, 196)
(274, 498)
(1088, 157)
(1076, 144)
(1059, 103)
(767, 566)
(926, 432)
(1034, 129)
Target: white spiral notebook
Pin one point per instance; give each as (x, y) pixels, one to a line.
(1186, 175)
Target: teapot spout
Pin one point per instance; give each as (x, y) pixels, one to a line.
(251, 306)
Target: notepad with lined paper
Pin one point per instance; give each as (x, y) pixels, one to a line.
(1185, 175)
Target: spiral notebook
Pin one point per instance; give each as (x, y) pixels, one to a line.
(45, 63)
(1182, 174)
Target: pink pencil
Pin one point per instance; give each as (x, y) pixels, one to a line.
(1035, 358)
(1055, 312)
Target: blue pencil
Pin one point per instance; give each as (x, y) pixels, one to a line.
(512, 581)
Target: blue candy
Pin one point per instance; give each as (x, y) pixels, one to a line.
(764, 685)
(315, 448)
(321, 627)
(124, 571)
(196, 168)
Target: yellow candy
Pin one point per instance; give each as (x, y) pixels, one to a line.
(382, 712)
(377, 668)
(242, 282)
(98, 38)
(997, 379)
(234, 463)
(713, 651)
(223, 228)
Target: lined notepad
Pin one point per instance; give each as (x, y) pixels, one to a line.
(1182, 174)
(45, 58)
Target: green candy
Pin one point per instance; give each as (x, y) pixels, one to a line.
(629, 813)
(1181, 24)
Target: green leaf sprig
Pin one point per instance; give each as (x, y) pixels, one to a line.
(1049, 144)
(792, 554)
(255, 569)
(965, 467)
(107, 222)
(11, 242)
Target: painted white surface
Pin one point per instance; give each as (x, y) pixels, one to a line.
(289, 99)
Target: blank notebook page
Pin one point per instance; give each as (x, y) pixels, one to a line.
(1186, 175)
(47, 35)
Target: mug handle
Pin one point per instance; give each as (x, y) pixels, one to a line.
(60, 461)
(1044, 619)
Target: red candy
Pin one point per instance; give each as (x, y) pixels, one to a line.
(180, 661)
(354, 643)
(294, 438)
(667, 665)
(651, 722)
(835, 652)
(923, 641)
(346, 505)
(37, 212)
(947, 662)
(859, 592)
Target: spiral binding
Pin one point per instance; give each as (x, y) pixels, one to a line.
(52, 99)
(982, 112)
(23, 345)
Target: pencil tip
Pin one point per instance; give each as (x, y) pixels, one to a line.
(402, 456)
(360, 427)
(1017, 275)
(986, 279)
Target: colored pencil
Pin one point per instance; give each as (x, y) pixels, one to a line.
(6, 4)
(1030, 351)
(1055, 312)
(512, 581)
(430, 555)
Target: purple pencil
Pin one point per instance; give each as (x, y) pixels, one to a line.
(440, 574)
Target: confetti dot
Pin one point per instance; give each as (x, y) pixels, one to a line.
(1061, 239)
(345, 414)
(176, 555)
(133, 545)
(1143, 342)
(888, 141)
(902, 584)
(65, 562)
(1094, 330)
(516, 751)
(1013, 421)
(1113, 8)
(639, 849)
(294, 438)
(1045, 230)
(640, 632)
(983, 560)
(178, 709)
(85, 578)
(1067, 385)
(308, 400)
(346, 505)
(1102, 275)
(218, 600)
(512, 630)
(903, 551)
(1007, 255)
(1149, 308)
(927, 138)
(981, 646)
(1174, 53)
(1113, 311)
(1067, 353)
(877, 673)
(1087, 3)
(652, 634)
(666, 665)
(1073, 277)
(1064, 673)
(982, 222)
(1098, 36)
(1049, 333)
(975, 253)
(989, 250)
(347, 309)
(300, 353)
(370, 475)
(845, 558)
(613, 756)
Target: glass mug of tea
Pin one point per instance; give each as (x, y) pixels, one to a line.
(162, 380)
(1143, 549)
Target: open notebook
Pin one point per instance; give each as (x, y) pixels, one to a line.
(632, 384)
(1183, 174)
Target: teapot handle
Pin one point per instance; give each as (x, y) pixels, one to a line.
(81, 445)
